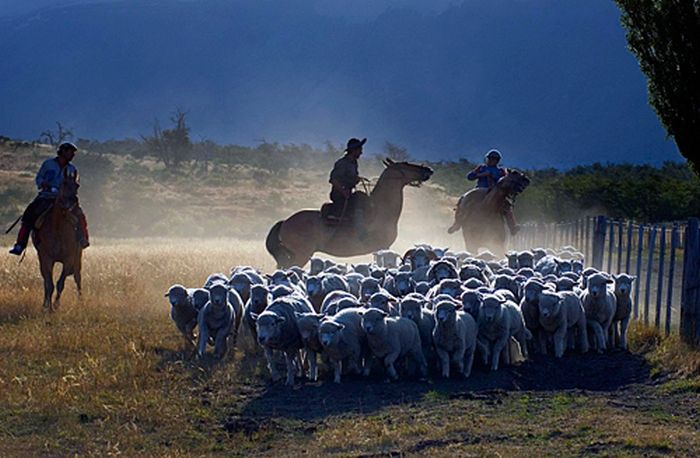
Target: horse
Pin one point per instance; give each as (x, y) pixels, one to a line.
(294, 240)
(56, 241)
(480, 213)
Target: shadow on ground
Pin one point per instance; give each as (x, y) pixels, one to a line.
(309, 401)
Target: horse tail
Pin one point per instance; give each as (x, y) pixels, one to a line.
(274, 246)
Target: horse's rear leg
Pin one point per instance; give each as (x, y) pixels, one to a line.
(60, 284)
(78, 282)
(47, 274)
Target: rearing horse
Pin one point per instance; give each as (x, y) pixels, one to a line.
(56, 241)
(293, 241)
(481, 213)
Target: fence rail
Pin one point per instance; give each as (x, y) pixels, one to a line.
(665, 258)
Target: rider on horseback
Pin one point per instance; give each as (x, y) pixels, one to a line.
(344, 178)
(487, 175)
(48, 180)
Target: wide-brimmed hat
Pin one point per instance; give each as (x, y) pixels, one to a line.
(355, 143)
(493, 153)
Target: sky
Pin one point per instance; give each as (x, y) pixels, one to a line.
(548, 82)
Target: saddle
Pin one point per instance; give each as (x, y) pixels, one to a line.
(333, 216)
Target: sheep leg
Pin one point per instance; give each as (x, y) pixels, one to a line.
(559, 338)
(311, 361)
(468, 361)
(389, 361)
(458, 358)
(498, 348)
(270, 357)
(221, 344)
(521, 338)
(291, 367)
(583, 336)
(337, 370)
(203, 339)
(483, 346)
(623, 332)
(542, 339)
(599, 335)
(444, 362)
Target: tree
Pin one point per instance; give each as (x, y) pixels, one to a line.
(55, 138)
(665, 37)
(171, 146)
(395, 152)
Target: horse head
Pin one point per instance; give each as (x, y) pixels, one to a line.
(68, 192)
(409, 173)
(514, 182)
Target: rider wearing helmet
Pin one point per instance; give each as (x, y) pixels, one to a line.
(48, 181)
(487, 175)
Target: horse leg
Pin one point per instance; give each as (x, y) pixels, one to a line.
(47, 274)
(60, 284)
(78, 278)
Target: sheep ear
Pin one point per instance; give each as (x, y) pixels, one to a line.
(633, 277)
(458, 306)
(280, 319)
(254, 316)
(166, 294)
(384, 314)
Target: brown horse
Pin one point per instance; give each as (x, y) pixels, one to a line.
(293, 241)
(480, 212)
(56, 241)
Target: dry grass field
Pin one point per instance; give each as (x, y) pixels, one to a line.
(107, 375)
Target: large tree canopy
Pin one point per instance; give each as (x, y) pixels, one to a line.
(665, 37)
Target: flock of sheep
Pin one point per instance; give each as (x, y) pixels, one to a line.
(430, 309)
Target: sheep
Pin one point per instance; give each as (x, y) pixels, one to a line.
(317, 287)
(623, 310)
(566, 284)
(329, 306)
(383, 301)
(451, 287)
(363, 269)
(600, 305)
(471, 302)
(547, 265)
(308, 324)
(282, 290)
(499, 320)
(441, 270)
(316, 266)
(242, 282)
(215, 278)
(412, 307)
(222, 292)
(538, 253)
(182, 311)
(469, 271)
(343, 340)
(473, 283)
(507, 282)
(354, 280)
(404, 284)
(422, 287)
(526, 259)
(200, 297)
(512, 259)
(277, 330)
(217, 320)
(259, 299)
(368, 287)
(390, 338)
(562, 313)
(529, 306)
(454, 336)
(386, 258)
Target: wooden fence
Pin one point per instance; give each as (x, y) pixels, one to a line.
(665, 258)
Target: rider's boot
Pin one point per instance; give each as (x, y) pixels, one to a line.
(22, 240)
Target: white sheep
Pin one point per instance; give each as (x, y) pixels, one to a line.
(454, 336)
(623, 310)
(344, 342)
(600, 305)
(499, 320)
(390, 338)
(562, 315)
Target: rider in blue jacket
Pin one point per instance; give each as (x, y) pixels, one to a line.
(487, 175)
(48, 181)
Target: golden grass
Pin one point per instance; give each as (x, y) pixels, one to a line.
(107, 375)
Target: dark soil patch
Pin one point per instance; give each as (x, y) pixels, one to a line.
(308, 400)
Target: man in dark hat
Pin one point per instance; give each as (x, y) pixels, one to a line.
(48, 181)
(344, 177)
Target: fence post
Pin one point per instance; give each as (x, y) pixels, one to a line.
(671, 274)
(690, 300)
(599, 241)
(611, 244)
(629, 247)
(660, 279)
(638, 272)
(650, 268)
